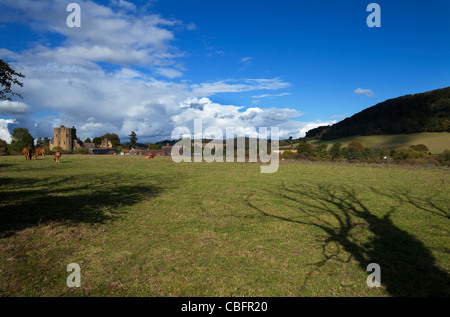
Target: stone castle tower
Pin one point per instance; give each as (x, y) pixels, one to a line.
(66, 138)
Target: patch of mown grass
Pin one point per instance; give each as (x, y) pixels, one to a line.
(142, 227)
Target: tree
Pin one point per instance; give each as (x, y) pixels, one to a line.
(46, 141)
(21, 138)
(97, 141)
(305, 149)
(7, 79)
(320, 151)
(133, 139)
(152, 146)
(39, 143)
(356, 144)
(114, 138)
(88, 140)
(336, 150)
(2, 147)
(354, 153)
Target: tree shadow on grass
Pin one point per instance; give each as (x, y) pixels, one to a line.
(407, 267)
(67, 201)
(428, 204)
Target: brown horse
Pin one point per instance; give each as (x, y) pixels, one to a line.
(150, 156)
(40, 152)
(57, 156)
(28, 152)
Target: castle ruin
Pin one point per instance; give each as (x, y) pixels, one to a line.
(66, 138)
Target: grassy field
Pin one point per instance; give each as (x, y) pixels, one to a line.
(436, 142)
(142, 227)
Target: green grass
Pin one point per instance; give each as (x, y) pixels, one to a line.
(436, 142)
(142, 227)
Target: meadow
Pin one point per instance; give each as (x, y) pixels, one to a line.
(141, 227)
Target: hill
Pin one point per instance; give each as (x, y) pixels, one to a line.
(424, 112)
(436, 142)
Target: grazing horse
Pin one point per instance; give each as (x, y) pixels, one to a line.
(150, 156)
(40, 152)
(57, 156)
(27, 151)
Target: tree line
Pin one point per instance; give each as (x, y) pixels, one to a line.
(355, 152)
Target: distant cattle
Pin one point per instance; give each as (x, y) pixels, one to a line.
(57, 156)
(150, 156)
(28, 152)
(40, 152)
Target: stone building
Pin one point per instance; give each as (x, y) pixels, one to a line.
(106, 144)
(66, 138)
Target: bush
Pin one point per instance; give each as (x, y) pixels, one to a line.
(404, 154)
(335, 151)
(289, 155)
(356, 144)
(83, 150)
(420, 148)
(352, 153)
(305, 149)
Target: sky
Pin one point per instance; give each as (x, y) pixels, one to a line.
(152, 66)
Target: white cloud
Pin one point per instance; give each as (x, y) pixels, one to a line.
(209, 89)
(229, 116)
(124, 4)
(169, 72)
(66, 81)
(106, 35)
(4, 132)
(8, 108)
(245, 59)
(367, 92)
(269, 95)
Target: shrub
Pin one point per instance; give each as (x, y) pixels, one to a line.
(352, 153)
(335, 151)
(83, 150)
(356, 144)
(289, 155)
(419, 148)
(305, 149)
(409, 153)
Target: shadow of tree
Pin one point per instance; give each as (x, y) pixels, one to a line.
(407, 266)
(23, 203)
(427, 204)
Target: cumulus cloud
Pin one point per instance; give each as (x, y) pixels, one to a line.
(4, 132)
(67, 81)
(215, 115)
(12, 108)
(106, 35)
(367, 92)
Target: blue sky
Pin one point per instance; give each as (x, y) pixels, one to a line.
(150, 66)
